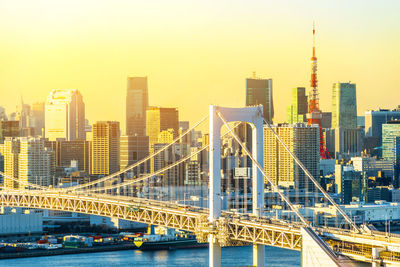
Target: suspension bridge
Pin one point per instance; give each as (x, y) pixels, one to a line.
(146, 193)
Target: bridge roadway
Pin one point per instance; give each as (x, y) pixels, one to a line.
(231, 229)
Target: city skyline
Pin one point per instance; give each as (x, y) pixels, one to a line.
(55, 46)
(239, 127)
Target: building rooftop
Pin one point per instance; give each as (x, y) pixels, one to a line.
(61, 96)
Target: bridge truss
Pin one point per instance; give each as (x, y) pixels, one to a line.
(229, 231)
(105, 197)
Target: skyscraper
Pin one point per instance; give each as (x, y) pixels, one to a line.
(34, 162)
(137, 102)
(11, 150)
(65, 115)
(28, 160)
(9, 129)
(23, 115)
(259, 92)
(297, 111)
(3, 115)
(374, 119)
(37, 114)
(303, 141)
(390, 131)
(326, 120)
(348, 138)
(159, 119)
(344, 106)
(348, 183)
(105, 147)
(76, 150)
(133, 149)
(161, 124)
(348, 142)
(183, 127)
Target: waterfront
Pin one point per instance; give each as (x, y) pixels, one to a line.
(231, 256)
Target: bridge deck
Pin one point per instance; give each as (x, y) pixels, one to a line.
(229, 230)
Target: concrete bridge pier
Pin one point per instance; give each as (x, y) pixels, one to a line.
(258, 255)
(375, 257)
(214, 252)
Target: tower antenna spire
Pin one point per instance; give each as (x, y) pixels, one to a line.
(313, 32)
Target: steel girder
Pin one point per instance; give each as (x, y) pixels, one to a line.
(228, 232)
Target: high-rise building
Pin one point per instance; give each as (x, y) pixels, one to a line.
(374, 120)
(37, 114)
(344, 106)
(390, 131)
(105, 147)
(372, 166)
(361, 121)
(176, 175)
(69, 151)
(348, 142)
(65, 115)
(166, 136)
(159, 119)
(378, 193)
(196, 138)
(348, 183)
(183, 127)
(259, 92)
(35, 162)
(329, 138)
(28, 160)
(326, 120)
(396, 176)
(303, 141)
(297, 111)
(193, 169)
(348, 138)
(137, 102)
(23, 115)
(9, 129)
(3, 114)
(11, 151)
(133, 149)
(162, 125)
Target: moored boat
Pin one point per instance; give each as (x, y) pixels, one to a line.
(167, 239)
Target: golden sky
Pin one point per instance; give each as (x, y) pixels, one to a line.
(196, 53)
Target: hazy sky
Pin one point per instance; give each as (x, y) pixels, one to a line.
(196, 53)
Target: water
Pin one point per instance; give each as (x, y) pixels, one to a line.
(232, 256)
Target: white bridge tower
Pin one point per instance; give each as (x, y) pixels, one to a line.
(253, 116)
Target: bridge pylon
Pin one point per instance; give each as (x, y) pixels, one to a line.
(253, 116)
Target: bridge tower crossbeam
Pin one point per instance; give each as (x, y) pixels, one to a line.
(253, 116)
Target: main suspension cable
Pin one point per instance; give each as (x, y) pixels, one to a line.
(139, 179)
(21, 182)
(274, 187)
(296, 159)
(111, 176)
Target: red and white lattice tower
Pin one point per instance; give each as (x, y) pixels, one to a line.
(314, 115)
